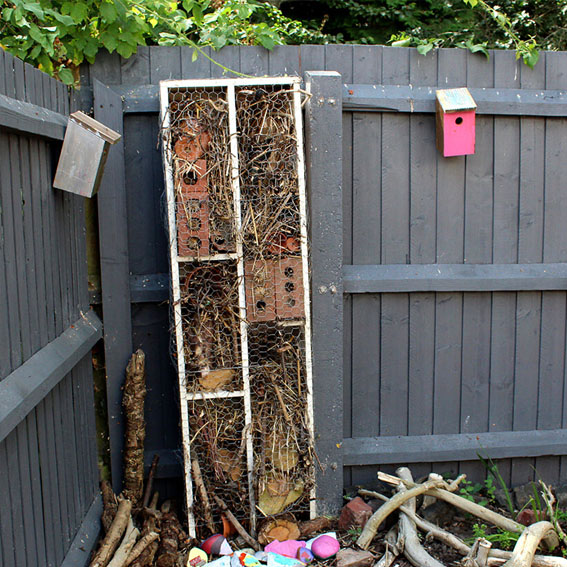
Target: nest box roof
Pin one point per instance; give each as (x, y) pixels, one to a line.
(455, 100)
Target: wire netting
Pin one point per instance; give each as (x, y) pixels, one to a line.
(234, 361)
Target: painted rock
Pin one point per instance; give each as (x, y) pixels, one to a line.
(197, 558)
(277, 560)
(240, 559)
(324, 547)
(310, 541)
(223, 561)
(288, 548)
(304, 555)
(216, 545)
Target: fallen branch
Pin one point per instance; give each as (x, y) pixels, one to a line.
(528, 542)
(114, 534)
(390, 506)
(202, 489)
(463, 504)
(413, 550)
(238, 526)
(495, 557)
(128, 541)
(394, 548)
(478, 554)
(142, 544)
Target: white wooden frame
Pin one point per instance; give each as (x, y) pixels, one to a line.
(184, 396)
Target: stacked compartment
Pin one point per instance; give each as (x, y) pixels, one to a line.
(236, 217)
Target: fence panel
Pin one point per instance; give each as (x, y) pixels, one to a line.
(47, 438)
(429, 361)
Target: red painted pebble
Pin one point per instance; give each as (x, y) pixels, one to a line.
(216, 545)
(324, 547)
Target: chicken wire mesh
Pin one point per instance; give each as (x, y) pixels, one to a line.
(240, 257)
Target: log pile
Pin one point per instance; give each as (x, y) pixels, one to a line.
(136, 533)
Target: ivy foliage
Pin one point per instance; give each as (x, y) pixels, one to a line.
(478, 25)
(58, 35)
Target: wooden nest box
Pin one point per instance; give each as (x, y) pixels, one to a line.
(83, 155)
(455, 116)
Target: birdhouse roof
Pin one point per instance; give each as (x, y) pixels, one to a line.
(95, 126)
(454, 100)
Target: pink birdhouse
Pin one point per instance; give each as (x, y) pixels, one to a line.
(455, 122)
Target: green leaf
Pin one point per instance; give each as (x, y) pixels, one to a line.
(194, 56)
(34, 8)
(424, 48)
(108, 12)
(66, 75)
(109, 41)
(188, 5)
(79, 12)
(531, 57)
(125, 49)
(198, 14)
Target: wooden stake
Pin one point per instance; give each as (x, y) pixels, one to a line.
(126, 546)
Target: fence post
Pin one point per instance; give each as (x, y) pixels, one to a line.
(115, 274)
(323, 129)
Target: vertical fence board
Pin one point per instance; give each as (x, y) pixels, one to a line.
(395, 211)
(422, 226)
(553, 309)
(113, 228)
(312, 58)
(165, 63)
(504, 250)
(198, 69)
(283, 60)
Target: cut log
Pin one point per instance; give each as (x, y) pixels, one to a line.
(277, 529)
(125, 547)
(413, 550)
(135, 428)
(169, 537)
(112, 539)
(527, 544)
(314, 526)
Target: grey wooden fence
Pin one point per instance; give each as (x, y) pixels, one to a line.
(449, 339)
(48, 468)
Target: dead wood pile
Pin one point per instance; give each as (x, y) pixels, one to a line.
(402, 539)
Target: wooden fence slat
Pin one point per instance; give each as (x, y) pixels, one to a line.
(198, 69)
(7, 546)
(227, 59)
(165, 63)
(394, 347)
(282, 60)
(504, 250)
(256, 62)
(113, 229)
(361, 243)
(422, 224)
(13, 479)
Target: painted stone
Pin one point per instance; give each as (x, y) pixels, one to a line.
(288, 548)
(305, 555)
(325, 547)
(216, 545)
(197, 558)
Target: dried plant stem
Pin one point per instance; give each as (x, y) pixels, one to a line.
(238, 526)
(199, 483)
